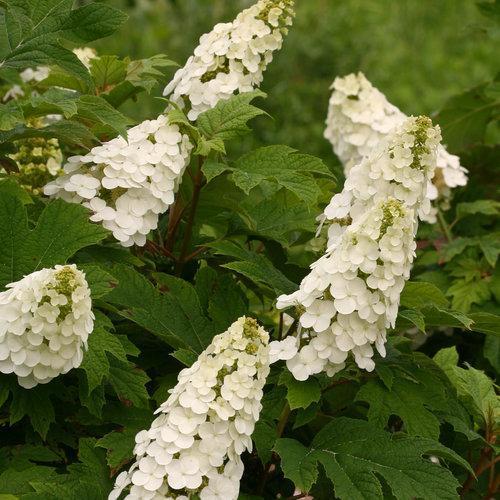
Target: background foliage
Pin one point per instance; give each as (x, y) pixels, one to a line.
(370, 435)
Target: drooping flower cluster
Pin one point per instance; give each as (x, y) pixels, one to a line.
(193, 447)
(351, 296)
(45, 321)
(127, 183)
(38, 161)
(360, 117)
(231, 58)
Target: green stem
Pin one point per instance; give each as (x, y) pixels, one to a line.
(444, 227)
(198, 182)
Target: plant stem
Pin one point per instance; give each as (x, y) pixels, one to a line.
(444, 227)
(198, 182)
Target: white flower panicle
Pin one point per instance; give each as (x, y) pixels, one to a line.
(193, 447)
(45, 321)
(231, 58)
(402, 167)
(351, 295)
(360, 117)
(127, 183)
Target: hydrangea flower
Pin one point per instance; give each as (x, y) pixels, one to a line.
(359, 119)
(127, 183)
(231, 58)
(45, 321)
(402, 167)
(193, 447)
(351, 295)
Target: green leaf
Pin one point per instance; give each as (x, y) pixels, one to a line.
(95, 362)
(283, 165)
(485, 207)
(264, 436)
(464, 117)
(420, 395)
(175, 316)
(47, 53)
(96, 109)
(36, 405)
(107, 71)
(486, 323)
(300, 394)
(278, 217)
(475, 388)
(17, 482)
(54, 100)
(61, 230)
(253, 266)
(414, 317)
(297, 462)
(11, 115)
(228, 119)
(418, 294)
(129, 384)
(227, 302)
(491, 351)
(119, 446)
(9, 187)
(100, 281)
(68, 131)
(354, 454)
(465, 293)
(212, 168)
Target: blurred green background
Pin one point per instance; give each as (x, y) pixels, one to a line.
(418, 52)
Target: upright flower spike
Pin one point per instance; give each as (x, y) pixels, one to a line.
(192, 449)
(359, 119)
(231, 58)
(127, 183)
(351, 295)
(45, 321)
(401, 167)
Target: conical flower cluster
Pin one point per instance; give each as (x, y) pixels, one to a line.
(360, 118)
(193, 447)
(127, 183)
(231, 58)
(45, 321)
(351, 296)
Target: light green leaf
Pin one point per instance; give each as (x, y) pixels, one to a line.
(485, 207)
(418, 294)
(228, 119)
(119, 446)
(290, 169)
(212, 168)
(298, 463)
(11, 114)
(486, 323)
(300, 394)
